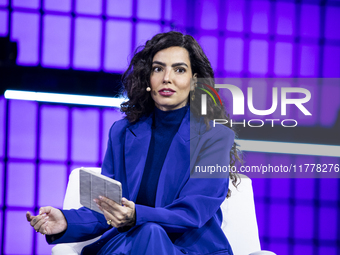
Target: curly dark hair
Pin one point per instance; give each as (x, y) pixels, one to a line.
(137, 78)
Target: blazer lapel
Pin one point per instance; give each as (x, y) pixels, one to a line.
(137, 140)
(177, 160)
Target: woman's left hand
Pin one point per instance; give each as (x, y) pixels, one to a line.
(118, 216)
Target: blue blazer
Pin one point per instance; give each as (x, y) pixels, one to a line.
(190, 206)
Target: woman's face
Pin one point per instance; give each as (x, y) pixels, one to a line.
(170, 78)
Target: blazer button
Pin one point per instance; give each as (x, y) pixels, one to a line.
(184, 251)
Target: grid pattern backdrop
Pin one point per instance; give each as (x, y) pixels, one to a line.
(85, 34)
(41, 143)
(247, 38)
(44, 142)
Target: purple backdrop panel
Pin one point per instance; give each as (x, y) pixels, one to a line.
(304, 222)
(2, 185)
(110, 115)
(22, 129)
(52, 185)
(312, 105)
(31, 4)
(87, 46)
(309, 60)
(285, 16)
(331, 67)
(25, 31)
(310, 20)
(179, 15)
(78, 165)
(85, 135)
(233, 55)
(279, 188)
(16, 221)
(209, 14)
(235, 13)
(43, 248)
(117, 45)
(259, 187)
(117, 8)
(89, 7)
(258, 59)
(2, 126)
(332, 30)
(259, 17)
(57, 5)
(283, 59)
(56, 42)
(304, 249)
(3, 2)
(328, 222)
(210, 47)
(166, 29)
(328, 250)
(329, 187)
(278, 248)
(168, 9)
(279, 221)
(149, 9)
(146, 31)
(53, 133)
(330, 103)
(304, 188)
(21, 183)
(3, 22)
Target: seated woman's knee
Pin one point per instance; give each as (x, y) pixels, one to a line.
(151, 227)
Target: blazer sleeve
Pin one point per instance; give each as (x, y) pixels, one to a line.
(199, 199)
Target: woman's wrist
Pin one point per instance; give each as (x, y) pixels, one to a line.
(130, 225)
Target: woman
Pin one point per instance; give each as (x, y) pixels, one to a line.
(151, 152)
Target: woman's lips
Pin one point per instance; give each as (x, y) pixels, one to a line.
(166, 92)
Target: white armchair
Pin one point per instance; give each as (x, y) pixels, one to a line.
(239, 219)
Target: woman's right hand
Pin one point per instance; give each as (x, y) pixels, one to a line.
(50, 221)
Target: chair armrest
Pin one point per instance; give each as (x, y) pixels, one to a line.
(263, 253)
(63, 248)
(239, 218)
(72, 201)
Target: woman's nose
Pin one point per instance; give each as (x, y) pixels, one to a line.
(167, 76)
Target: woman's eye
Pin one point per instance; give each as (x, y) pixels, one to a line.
(180, 70)
(157, 69)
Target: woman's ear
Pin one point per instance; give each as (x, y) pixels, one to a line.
(193, 83)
